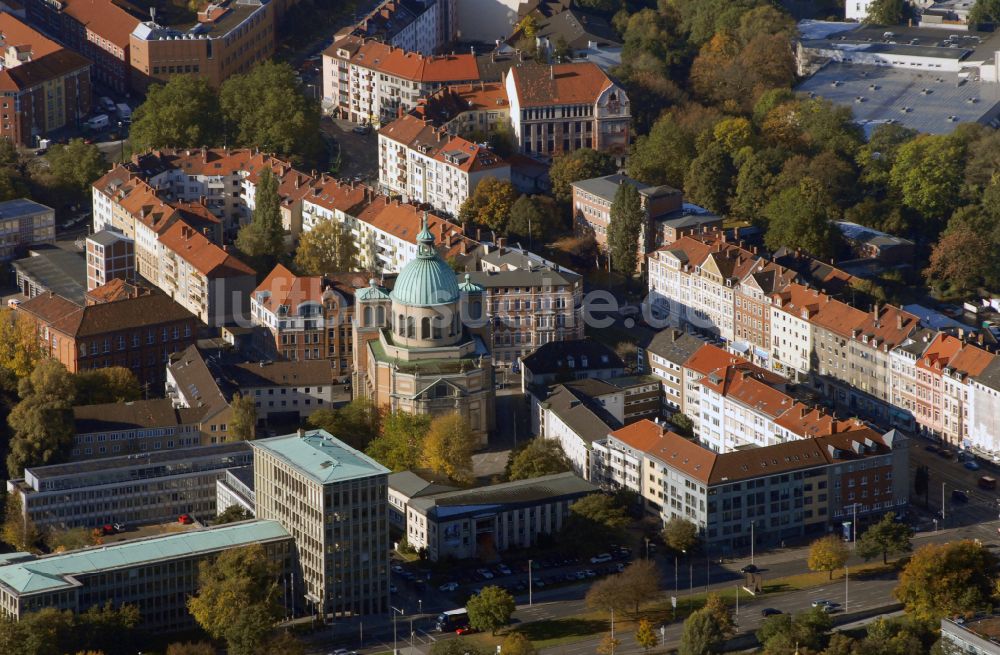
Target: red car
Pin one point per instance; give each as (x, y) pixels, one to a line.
(185, 519)
(107, 529)
(465, 630)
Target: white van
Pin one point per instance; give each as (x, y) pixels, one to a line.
(106, 103)
(124, 112)
(98, 122)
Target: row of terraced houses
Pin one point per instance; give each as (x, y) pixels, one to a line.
(880, 363)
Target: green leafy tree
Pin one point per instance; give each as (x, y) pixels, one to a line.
(76, 165)
(625, 229)
(108, 629)
(800, 217)
(536, 458)
(243, 424)
(984, 11)
(594, 522)
(946, 579)
(781, 634)
(327, 248)
(356, 423)
(680, 534)
(19, 531)
(115, 384)
(928, 175)
(515, 643)
(961, 259)
(233, 514)
(701, 634)
(534, 216)
(827, 553)
(42, 421)
(887, 537)
(490, 204)
(184, 113)
(490, 609)
(265, 108)
(683, 425)
(448, 446)
(709, 179)
(400, 443)
(664, 156)
(237, 598)
(877, 157)
(580, 164)
(885, 12)
(263, 238)
(645, 635)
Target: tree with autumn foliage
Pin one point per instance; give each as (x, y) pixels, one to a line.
(961, 258)
(947, 579)
(448, 446)
(20, 348)
(490, 204)
(827, 554)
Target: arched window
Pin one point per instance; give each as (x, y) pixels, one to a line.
(437, 327)
(368, 317)
(411, 327)
(380, 314)
(476, 311)
(402, 326)
(425, 328)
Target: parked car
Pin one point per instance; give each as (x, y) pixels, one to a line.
(185, 519)
(448, 586)
(465, 630)
(362, 130)
(503, 569)
(959, 496)
(601, 559)
(971, 465)
(749, 568)
(820, 603)
(770, 611)
(119, 527)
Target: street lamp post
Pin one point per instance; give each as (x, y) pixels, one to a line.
(847, 588)
(395, 611)
(943, 516)
(751, 541)
(121, 139)
(530, 575)
(647, 547)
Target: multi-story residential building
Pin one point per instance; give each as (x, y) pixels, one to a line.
(156, 575)
(330, 199)
(333, 500)
(667, 353)
(575, 420)
(369, 82)
(426, 164)
(569, 359)
(115, 429)
(560, 108)
(984, 410)
(229, 38)
(423, 26)
(202, 276)
(807, 486)
(473, 111)
(137, 333)
(415, 350)
(753, 298)
(282, 390)
(24, 223)
(490, 520)
(99, 30)
(667, 217)
(852, 350)
(308, 317)
(110, 256)
(792, 310)
(149, 487)
(44, 86)
(530, 308)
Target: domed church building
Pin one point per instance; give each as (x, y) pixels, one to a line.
(413, 347)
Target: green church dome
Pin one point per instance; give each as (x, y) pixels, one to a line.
(427, 280)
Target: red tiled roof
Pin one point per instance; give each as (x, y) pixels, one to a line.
(336, 195)
(104, 18)
(403, 221)
(287, 288)
(840, 318)
(15, 34)
(415, 133)
(412, 66)
(710, 358)
(801, 301)
(650, 438)
(450, 101)
(559, 84)
(206, 257)
(62, 315)
(972, 360)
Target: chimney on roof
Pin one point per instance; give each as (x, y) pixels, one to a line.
(899, 321)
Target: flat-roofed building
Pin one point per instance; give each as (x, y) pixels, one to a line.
(155, 574)
(236, 488)
(490, 520)
(24, 223)
(51, 269)
(110, 256)
(147, 487)
(333, 500)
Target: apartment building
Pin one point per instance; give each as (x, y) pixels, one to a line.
(98, 30)
(308, 317)
(229, 38)
(490, 520)
(110, 256)
(282, 390)
(370, 82)
(472, 111)
(560, 108)
(156, 575)
(333, 500)
(24, 223)
(330, 199)
(137, 333)
(423, 26)
(150, 487)
(792, 310)
(565, 413)
(753, 298)
(983, 410)
(426, 164)
(787, 490)
(593, 198)
(569, 359)
(44, 86)
(530, 308)
(667, 353)
(116, 429)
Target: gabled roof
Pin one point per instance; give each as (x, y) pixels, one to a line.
(554, 356)
(709, 358)
(558, 84)
(403, 221)
(840, 318)
(140, 414)
(519, 493)
(104, 18)
(93, 320)
(37, 71)
(436, 143)
(588, 420)
(800, 301)
(203, 255)
(282, 287)
(412, 66)
(652, 439)
(411, 485)
(674, 345)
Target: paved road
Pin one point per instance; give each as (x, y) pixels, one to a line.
(953, 475)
